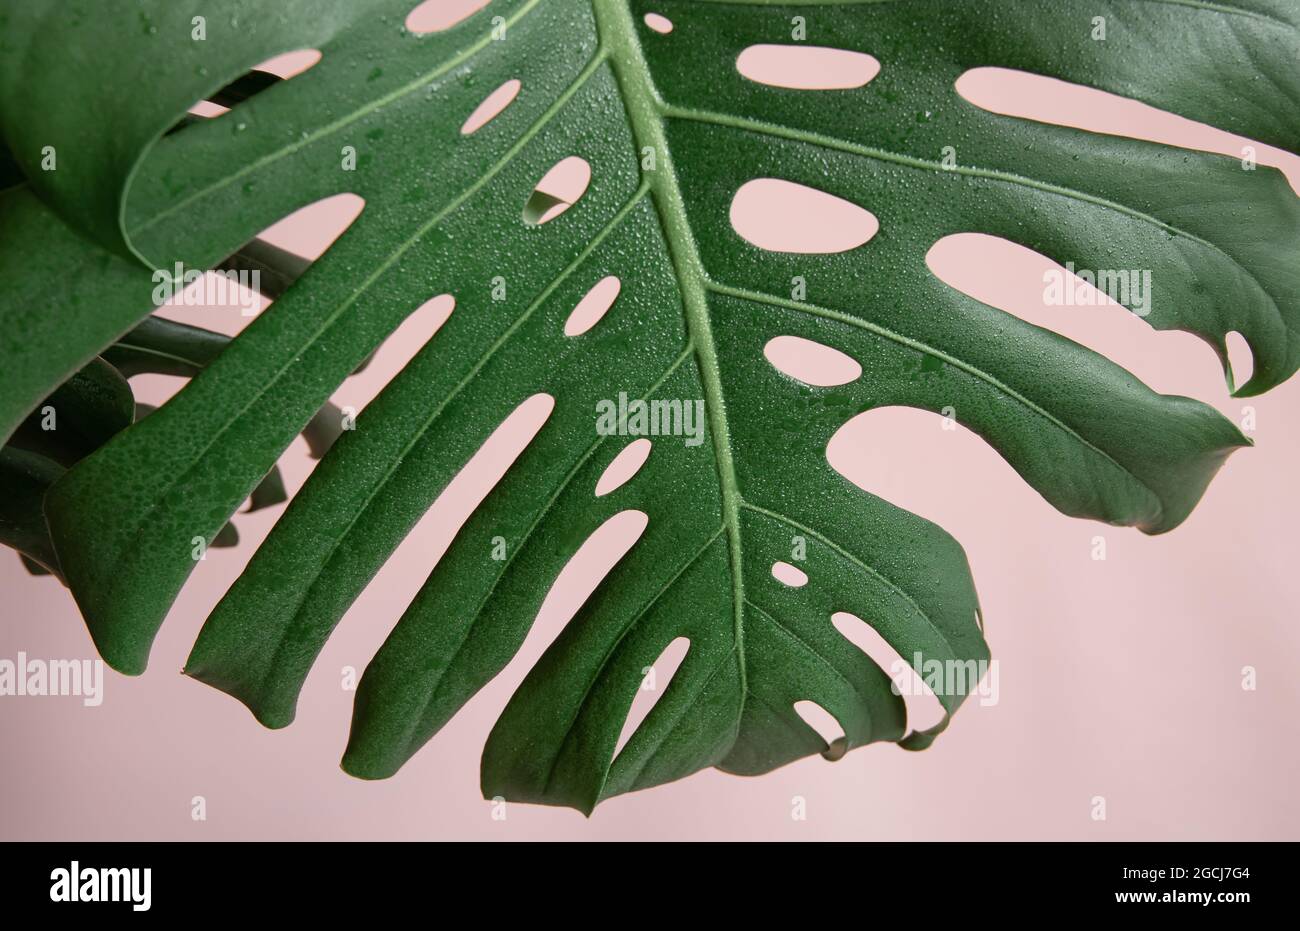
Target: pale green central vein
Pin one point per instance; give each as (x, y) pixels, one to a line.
(645, 109)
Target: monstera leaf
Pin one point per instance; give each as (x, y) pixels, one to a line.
(671, 130)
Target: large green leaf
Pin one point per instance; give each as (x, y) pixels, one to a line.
(444, 213)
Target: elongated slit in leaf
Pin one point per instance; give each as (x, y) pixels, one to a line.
(317, 226)
(654, 684)
(264, 662)
(807, 67)
(584, 572)
(493, 105)
(593, 306)
(1051, 100)
(396, 352)
(624, 467)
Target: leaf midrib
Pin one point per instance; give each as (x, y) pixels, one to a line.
(646, 112)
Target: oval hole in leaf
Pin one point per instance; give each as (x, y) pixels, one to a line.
(491, 106)
(1010, 92)
(782, 216)
(811, 362)
(257, 79)
(624, 467)
(437, 15)
(807, 67)
(826, 725)
(652, 686)
(790, 575)
(659, 23)
(559, 189)
(593, 306)
(1038, 290)
(922, 705)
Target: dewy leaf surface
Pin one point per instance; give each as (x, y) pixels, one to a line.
(445, 214)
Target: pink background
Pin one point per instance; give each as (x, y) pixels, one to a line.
(1119, 678)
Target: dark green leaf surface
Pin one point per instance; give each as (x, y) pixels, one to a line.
(445, 213)
(165, 347)
(82, 414)
(24, 478)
